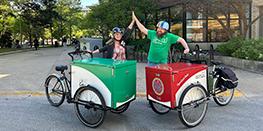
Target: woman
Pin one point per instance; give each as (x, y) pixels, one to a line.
(115, 49)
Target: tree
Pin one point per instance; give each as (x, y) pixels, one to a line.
(111, 13)
(71, 16)
(48, 15)
(7, 19)
(30, 14)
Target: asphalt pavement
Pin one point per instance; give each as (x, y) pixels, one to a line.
(23, 105)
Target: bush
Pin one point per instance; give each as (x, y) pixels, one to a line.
(250, 50)
(230, 47)
(141, 45)
(245, 49)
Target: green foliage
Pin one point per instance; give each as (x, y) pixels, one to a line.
(6, 22)
(141, 45)
(109, 14)
(231, 46)
(250, 49)
(6, 40)
(72, 17)
(46, 19)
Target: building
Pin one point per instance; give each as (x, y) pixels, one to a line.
(200, 27)
(257, 10)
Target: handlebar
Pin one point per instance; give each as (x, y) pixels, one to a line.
(78, 52)
(216, 63)
(193, 61)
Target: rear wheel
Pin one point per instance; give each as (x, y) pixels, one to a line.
(121, 109)
(193, 105)
(158, 108)
(55, 91)
(222, 95)
(90, 106)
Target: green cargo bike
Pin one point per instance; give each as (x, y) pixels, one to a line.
(95, 86)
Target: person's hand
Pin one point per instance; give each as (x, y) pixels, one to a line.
(133, 16)
(186, 51)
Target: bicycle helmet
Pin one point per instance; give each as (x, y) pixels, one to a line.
(116, 29)
(163, 24)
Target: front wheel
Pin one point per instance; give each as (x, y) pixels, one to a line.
(222, 95)
(121, 109)
(90, 106)
(193, 105)
(158, 108)
(55, 91)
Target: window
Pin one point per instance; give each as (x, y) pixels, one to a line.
(194, 15)
(203, 26)
(196, 30)
(216, 31)
(176, 13)
(177, 28)
(176, 21)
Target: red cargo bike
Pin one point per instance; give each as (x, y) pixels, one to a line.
(185, 87)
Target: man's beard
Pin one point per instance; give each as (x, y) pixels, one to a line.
(160, 34)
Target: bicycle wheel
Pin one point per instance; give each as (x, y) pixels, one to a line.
(55, 91)
(222, 97)
(121, 109)
(193, 105)
(158, 108)
(90, 106)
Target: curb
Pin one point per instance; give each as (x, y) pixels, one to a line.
(13, 52)
(22, 50)
(40, 93)
(247, 65)
(237, 93)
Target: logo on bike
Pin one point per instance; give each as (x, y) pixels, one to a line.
(157, 86)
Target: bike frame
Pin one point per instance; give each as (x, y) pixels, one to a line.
(67, 84)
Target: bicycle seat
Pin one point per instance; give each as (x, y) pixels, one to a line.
(61, 68)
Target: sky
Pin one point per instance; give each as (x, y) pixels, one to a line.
(85, 3)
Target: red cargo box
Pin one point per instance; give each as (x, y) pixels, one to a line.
(166, 82)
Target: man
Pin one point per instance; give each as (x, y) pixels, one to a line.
(64, 43)
(115, 48)
(36, 44)
(161, 41)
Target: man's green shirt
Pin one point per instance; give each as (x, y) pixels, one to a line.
(159, 47)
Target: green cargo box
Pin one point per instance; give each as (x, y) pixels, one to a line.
(114, 79)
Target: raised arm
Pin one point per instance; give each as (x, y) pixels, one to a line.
(128, 31)
(140, 26)
(184, 44)
(131, 24)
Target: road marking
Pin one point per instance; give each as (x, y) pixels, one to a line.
(4, 75)
(18, 93)
(237, 93)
